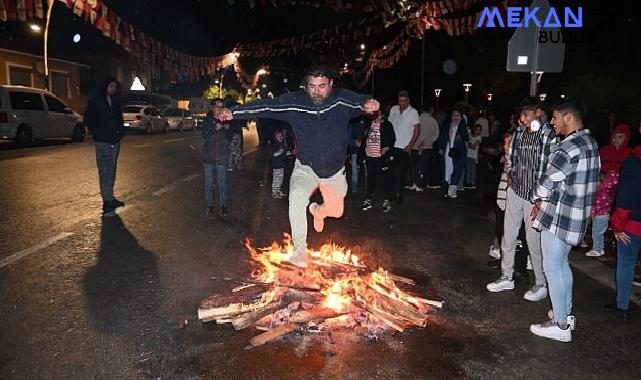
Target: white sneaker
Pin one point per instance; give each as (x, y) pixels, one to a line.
(570, 319)
(495, 252)
(595, 253)
(551, 330)
(529, 263)
(299, 259)
(536, 293)
(500, 285)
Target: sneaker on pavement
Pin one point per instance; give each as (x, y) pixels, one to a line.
(536, 293)
(319, 223)
(117, 203)
(367, 204)
(500, 285)
(551, 330)
(209, 211)
(621, 314)
(108, 210)
(595, 253)
(495, 252)
(299, 259)
(571, 320)
(387, 206)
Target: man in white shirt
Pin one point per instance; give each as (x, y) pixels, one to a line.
(405, 120)
(485, 125)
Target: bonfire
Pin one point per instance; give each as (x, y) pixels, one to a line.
(335, 290)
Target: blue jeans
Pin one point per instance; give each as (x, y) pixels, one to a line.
(470, 171)
(221, 171)
(599, 226)
(354, 162)
(627, 256)
(559, 275)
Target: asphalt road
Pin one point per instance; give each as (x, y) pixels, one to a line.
(92, 298)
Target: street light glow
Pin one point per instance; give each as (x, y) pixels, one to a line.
(437, 92)
(76, 38)
(35, 28)
(542, 97)
(264, 85)
(467, 86)
(362, 46)
(489, 96)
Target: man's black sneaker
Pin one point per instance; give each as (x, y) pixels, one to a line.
(223, 211)
(209, 211)
(108, 210)
(117, 203)
(621, 314)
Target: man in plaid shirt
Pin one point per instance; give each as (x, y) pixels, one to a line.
(563, 202)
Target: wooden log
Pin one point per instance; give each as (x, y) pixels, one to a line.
(272, 334)
(387, 318)
(246, 295)
(317, 314)
(245, 320)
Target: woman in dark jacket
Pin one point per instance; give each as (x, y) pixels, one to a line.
(626, 224)
(378, 140)
(451, 145)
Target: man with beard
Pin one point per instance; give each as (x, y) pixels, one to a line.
(319, 116)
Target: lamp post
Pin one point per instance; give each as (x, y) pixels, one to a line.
(562, 96)
(489, 101)
(437, 94)
(219, 89)
(466, 88)
(542, 97)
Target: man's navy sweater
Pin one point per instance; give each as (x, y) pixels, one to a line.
(321, 131)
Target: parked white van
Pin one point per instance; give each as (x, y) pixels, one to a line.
(28, 113)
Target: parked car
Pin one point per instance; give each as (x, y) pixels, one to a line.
(144, 118)
(143, 98)
(28, 113)
(179, 119)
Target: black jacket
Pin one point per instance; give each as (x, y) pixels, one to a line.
(322, 132)
(215, 148)
(103, 121)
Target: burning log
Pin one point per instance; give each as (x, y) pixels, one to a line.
(265, 337)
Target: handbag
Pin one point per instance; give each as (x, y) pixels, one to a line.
(455, 154)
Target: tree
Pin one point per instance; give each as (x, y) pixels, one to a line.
(602, 95)
(213, 92)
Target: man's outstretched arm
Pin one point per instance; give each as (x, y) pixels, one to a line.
(278, 108)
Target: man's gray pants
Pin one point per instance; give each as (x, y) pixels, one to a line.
(517, 211)
(107, 159)
(302, 185)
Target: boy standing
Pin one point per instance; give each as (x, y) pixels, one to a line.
(215, 156)
(279, 161)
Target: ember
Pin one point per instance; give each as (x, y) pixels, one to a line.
(335, 290)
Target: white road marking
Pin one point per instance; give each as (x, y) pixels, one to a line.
(141, 145)
(190, 177)
(163, 190)
(180, 139)
(33, 249)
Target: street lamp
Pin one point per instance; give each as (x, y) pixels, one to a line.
(437, 93)
(362, 46)
(489, 97)
(562, 96)
(542, 97)
(466, 87)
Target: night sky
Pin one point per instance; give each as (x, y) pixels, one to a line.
(608, 45)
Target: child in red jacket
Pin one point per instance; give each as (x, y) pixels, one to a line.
(612, 157)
